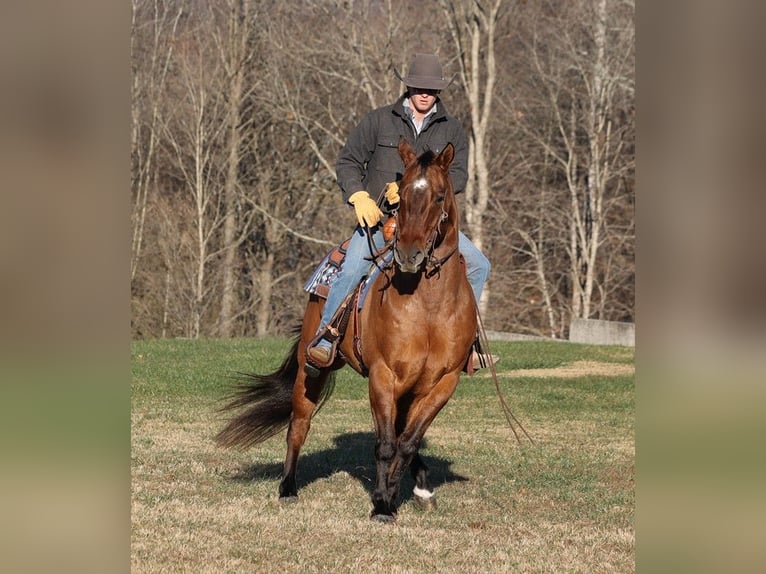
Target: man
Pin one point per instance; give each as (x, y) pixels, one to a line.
(370, 161)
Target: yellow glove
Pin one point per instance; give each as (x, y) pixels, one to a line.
(392, 193)
(367, 211)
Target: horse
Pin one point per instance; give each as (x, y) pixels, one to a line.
(414, 334)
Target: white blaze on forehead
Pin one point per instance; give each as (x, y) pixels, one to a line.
(420, 183)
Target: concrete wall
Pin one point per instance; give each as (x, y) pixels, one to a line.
(596, 332)
(503, 336)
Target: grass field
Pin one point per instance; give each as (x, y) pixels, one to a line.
(563, 504)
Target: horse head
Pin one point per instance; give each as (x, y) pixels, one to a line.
(427, 214)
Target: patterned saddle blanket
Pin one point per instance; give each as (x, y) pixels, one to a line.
(320, 281)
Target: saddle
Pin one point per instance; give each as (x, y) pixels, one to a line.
(319, 284)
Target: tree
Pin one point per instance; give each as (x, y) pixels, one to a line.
(235, 56)
(314, 91)
(194, 132)
(472, 26)
(581, 56)
(153, 26)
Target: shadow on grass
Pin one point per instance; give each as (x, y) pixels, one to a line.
(352, 453)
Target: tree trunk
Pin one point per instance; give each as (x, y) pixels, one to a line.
(592, 218)
(148, 86)
(478, 25)
(236, 70)
(265, 278)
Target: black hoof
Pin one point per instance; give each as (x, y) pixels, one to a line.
(425, 504)
(311, 371)
(288, 499)
(383, 518)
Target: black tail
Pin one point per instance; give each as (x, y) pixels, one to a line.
(268, 399)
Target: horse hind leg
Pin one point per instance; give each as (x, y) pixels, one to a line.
(423, 493)
(296, 437)
(308, 396)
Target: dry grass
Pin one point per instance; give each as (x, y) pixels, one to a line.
(576, 369)
(564, 504)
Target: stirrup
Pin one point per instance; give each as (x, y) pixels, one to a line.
(330, 334)
(484, 360)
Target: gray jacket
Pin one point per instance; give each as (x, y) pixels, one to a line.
(370, 159)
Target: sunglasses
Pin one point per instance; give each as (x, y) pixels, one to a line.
(424, 91)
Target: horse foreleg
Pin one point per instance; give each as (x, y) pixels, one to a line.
(383, 505)
(422, 414)
(405, 455)
(383, 410)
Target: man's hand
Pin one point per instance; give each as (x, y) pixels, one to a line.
(367, 212)
(392, 193)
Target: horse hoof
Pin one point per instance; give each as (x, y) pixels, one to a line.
(288, 499)
(425, 504)
(311, 371)
(383, 518)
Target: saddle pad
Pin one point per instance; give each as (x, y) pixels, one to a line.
(320, 281)
(323, 276)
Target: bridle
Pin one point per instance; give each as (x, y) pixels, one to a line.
(433, 264)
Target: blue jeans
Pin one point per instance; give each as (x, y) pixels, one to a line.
(355, 266)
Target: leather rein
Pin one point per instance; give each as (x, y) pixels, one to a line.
(433, 264)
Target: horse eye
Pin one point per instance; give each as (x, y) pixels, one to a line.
(440, 198)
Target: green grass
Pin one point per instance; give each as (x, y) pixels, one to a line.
(562, 504)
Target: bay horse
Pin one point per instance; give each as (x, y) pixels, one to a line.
(415, 328)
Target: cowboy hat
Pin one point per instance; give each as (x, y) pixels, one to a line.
(425, 72)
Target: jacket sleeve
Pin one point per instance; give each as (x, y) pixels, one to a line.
(459, 168)
(351, 167)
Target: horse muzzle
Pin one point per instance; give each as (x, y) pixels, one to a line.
(409, 260)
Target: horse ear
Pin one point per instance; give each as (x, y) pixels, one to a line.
(406, 152)
(446, 156)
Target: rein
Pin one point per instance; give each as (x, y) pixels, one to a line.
(509, 416)
(378, 254)
(433, 266)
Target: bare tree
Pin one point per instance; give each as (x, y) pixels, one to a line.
(235, 56)
(472, 25)
(582, 60)
(154, 25)
(314, 91)
(194, 132)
